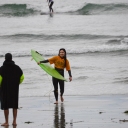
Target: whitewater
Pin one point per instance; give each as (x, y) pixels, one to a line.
(94, 33)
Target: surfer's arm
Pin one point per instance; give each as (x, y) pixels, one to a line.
(69, 72)
(48, 2)
(44, 61)
(70, 75)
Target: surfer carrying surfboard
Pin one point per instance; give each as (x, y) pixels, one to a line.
(50, 3)
(60, 62)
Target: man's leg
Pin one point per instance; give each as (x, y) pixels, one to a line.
(14, 116)
(6, 113)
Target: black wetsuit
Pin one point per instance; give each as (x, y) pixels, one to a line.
(50, 6)
(56, 81)
(61, 84)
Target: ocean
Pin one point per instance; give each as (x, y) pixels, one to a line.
(94, 33)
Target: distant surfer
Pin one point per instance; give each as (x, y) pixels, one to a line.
(50, 3)
(60, 62)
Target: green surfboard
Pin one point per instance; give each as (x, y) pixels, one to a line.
(46, 66)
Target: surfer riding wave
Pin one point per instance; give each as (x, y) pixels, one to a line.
(50, 3)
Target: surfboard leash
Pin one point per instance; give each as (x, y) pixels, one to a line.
(49, 92)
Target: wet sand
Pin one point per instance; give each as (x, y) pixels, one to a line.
(105, 111)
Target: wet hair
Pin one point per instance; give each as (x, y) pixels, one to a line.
(65, 57)
(8, 56)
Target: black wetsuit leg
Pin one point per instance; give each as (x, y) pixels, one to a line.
(50, 6)
(55, 84)
(61, 83)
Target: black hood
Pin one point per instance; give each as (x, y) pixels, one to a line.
(8, 63)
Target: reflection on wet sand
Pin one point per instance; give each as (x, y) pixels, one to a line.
(59, 116)
(14, 126)
(8, 126)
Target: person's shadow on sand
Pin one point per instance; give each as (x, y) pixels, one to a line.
(59, 116)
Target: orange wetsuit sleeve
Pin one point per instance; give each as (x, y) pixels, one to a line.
(52, 60)
(67, 65)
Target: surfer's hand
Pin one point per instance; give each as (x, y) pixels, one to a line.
(70, 78)
(38, 63)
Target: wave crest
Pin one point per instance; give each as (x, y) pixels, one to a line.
(94, 9)
(88, 9)
(16, 10)
(63, 36)
(123, 47)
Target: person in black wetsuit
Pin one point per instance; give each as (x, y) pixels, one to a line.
(60, 62)
(50, 3)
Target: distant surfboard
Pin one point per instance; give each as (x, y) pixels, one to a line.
(46, 66)
(47, 13)
(44, 13)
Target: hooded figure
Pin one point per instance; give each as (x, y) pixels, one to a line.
(11, 76)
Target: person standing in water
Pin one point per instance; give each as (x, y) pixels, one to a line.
(11, 76)
(60, 62)
(50, 3)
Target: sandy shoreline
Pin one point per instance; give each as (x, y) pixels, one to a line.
(76, 112)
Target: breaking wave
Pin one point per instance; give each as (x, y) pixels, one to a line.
(17, 10)
(111, 44)
(95, 9)
(62, 36)
(87, 9)
(104, 48)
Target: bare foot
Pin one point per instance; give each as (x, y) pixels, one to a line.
(5, 124)
(62, 99)
(56, 102)
(14, 124)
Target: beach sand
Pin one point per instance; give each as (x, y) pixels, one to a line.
(104, 111)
